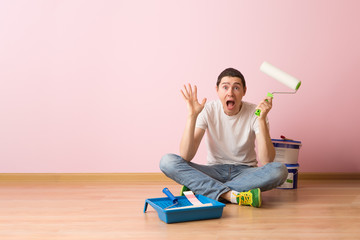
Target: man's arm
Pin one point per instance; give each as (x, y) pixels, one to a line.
(265, 147)
(192, 136)
(190, 140)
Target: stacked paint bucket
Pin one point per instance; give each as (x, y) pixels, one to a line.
(287, 152)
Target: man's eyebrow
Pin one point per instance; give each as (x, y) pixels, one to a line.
(227, 83)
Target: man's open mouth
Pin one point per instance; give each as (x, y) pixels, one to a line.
(230, 104)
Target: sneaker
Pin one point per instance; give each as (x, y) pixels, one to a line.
(184, 189)
(250, 198)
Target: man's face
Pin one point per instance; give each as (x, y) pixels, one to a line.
(231, 92)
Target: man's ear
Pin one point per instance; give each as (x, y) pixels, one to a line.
(245, 90)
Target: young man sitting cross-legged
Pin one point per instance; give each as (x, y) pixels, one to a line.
(232, 128)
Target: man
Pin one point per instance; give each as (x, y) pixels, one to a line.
(232, 129)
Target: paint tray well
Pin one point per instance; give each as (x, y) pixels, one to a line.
(173, 215)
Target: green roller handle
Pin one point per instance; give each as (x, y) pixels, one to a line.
(258, 111)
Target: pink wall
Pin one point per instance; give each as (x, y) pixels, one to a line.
(93, 86)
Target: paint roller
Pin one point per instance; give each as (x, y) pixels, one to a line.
(282, 77)
(173, 199)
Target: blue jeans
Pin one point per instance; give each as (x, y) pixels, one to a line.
(214, 180)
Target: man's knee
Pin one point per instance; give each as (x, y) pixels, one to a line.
(281, 171)
(168, 162)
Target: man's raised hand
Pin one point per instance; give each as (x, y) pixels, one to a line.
(190, 96)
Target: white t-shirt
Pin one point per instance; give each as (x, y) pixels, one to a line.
(229, 139)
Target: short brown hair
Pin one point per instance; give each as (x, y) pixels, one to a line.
(231, 72)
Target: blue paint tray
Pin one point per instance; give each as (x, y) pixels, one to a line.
(173, 215)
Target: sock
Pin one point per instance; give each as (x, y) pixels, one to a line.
(233, 195)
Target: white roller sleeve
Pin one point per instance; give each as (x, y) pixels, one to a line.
(280, 75)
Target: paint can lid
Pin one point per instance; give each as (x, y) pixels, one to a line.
(292, 165)
(286, 141)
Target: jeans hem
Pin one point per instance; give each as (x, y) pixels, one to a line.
(221, 193)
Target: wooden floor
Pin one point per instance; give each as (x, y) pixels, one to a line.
(114, 210)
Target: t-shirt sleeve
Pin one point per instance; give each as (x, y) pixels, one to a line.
(201, 121)
(256, 124)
